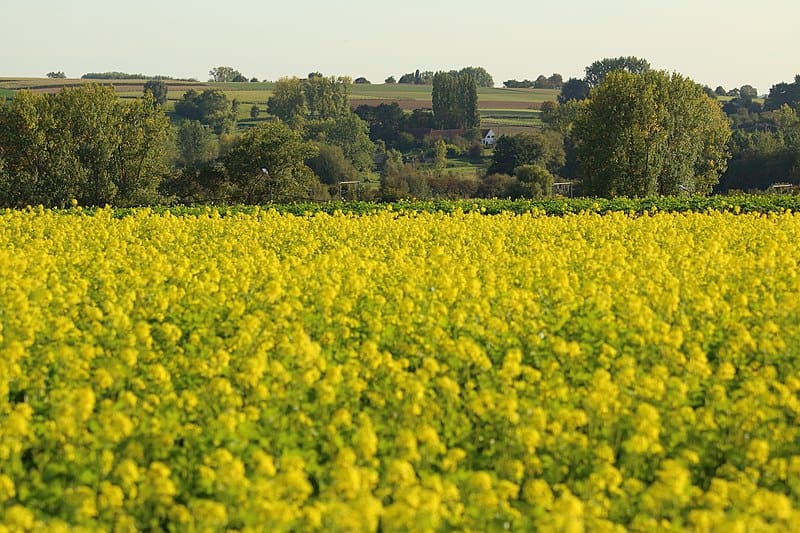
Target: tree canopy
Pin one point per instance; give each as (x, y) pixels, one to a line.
(225, 74)
(211, 107)
(267, 164)
(288, 101)
(597, 71)
(573, 89)
(158, 90)
(479, 74)
(82, 143)
(327, 96)
(544, 149)
(349, 133)
(784, 94)
(650, 133)
(455, 101)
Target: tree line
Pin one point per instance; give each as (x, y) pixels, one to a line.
(624, 129)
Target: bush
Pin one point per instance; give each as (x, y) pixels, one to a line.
(496, 186)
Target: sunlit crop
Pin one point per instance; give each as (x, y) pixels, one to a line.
(412, 372)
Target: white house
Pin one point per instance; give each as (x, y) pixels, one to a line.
(487, 137)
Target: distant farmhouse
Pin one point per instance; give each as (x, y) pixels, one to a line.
(487, 137)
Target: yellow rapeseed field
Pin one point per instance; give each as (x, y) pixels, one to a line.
(416, 372)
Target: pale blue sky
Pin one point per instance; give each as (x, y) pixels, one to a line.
(715, 42)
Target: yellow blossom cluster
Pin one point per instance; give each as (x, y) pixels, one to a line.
(399, 372)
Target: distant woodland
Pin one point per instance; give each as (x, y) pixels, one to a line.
(623, 129)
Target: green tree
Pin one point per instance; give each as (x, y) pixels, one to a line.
(331, 166)
(390, 80)
(480, 75)
(56, 75)
(288, 101)
(439, 154)
(573, 89)
(142, 156)
(349, 133)
(518, 84)
(196, 144)
(158, 90)
(784, 94)
(650, 133)
(748, 92)
(211, 107)
(385, 121)
(84, 143)
(455, 101)
(41, 161)
(393, 164)
(597, 71)
(556, 81)
(327, 97)
(254, 111)
(225, 74)
(533, 181)
(267, 164)
(545, 149)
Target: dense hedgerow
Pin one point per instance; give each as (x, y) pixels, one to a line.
(430, 371)
(553, 206)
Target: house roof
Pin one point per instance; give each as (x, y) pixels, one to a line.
(486, 131)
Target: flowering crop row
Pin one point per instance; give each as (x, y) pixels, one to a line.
(431, 371)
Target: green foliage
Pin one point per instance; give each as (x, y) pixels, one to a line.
(56, 75)
(496, 185)
(439, 153)
(765, 156)
(393, 164)
(535, 181)
(573, 89)
(196, 144)
(288, 101)
(597, 71)
(266, 164)
(390, 80)
(126, 76)
(113, 76)
(784, 94)
(518, 84)
(385, 121)
(417, 77)
(539, 148)
(408, 183)
(650, 133)
(82, 143)
(327, 97)
(254, 111)
(331, 166)
(561, 117)
(455, 101)
(349, 133)
(158, 90)
(225, 74)
(211, 107)
(555, 81)
(479, 74)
